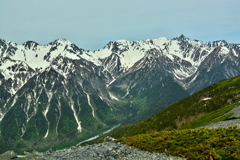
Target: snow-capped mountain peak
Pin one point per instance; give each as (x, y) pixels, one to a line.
(30, 45)
(183, 55)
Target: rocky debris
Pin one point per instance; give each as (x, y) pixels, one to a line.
(235, 111)
(224, 124)
(105, 150)
(108, 139)
(8, 155)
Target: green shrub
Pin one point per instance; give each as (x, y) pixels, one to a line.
(221, 143)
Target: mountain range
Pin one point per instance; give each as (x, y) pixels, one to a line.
(54, 93)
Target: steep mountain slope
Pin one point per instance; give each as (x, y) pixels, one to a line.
(204, 107)
(145, 85)
(51, 107)
(221, 62)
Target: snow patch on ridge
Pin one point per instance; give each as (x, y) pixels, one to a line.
(89, 103)
(126, 93)
(49, 94)
(113, 97)
(207, 98)
(79, 128)
(111, 82)
(128, 59)
(60, 113)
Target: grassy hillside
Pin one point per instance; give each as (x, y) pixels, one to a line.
(221, 143)
(201, 108)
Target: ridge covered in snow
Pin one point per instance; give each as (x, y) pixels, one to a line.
(184, 55)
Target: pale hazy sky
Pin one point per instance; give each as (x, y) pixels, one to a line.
(91, 24)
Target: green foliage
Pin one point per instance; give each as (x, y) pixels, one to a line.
(211, 117)
(36, 128)
(9, 128)
(140, 103)
(230, 118)
(228, 82)
(164, 93)
(221, 143)
(68, 126)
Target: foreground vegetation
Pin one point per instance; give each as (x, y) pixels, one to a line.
(221, 143)
(212, 117)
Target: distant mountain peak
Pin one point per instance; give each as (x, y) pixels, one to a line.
(182, 36)
(148, 39)
(30, 44)
(62, 41)
(121, 41)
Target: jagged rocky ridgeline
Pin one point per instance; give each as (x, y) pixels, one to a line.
(54, 93)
